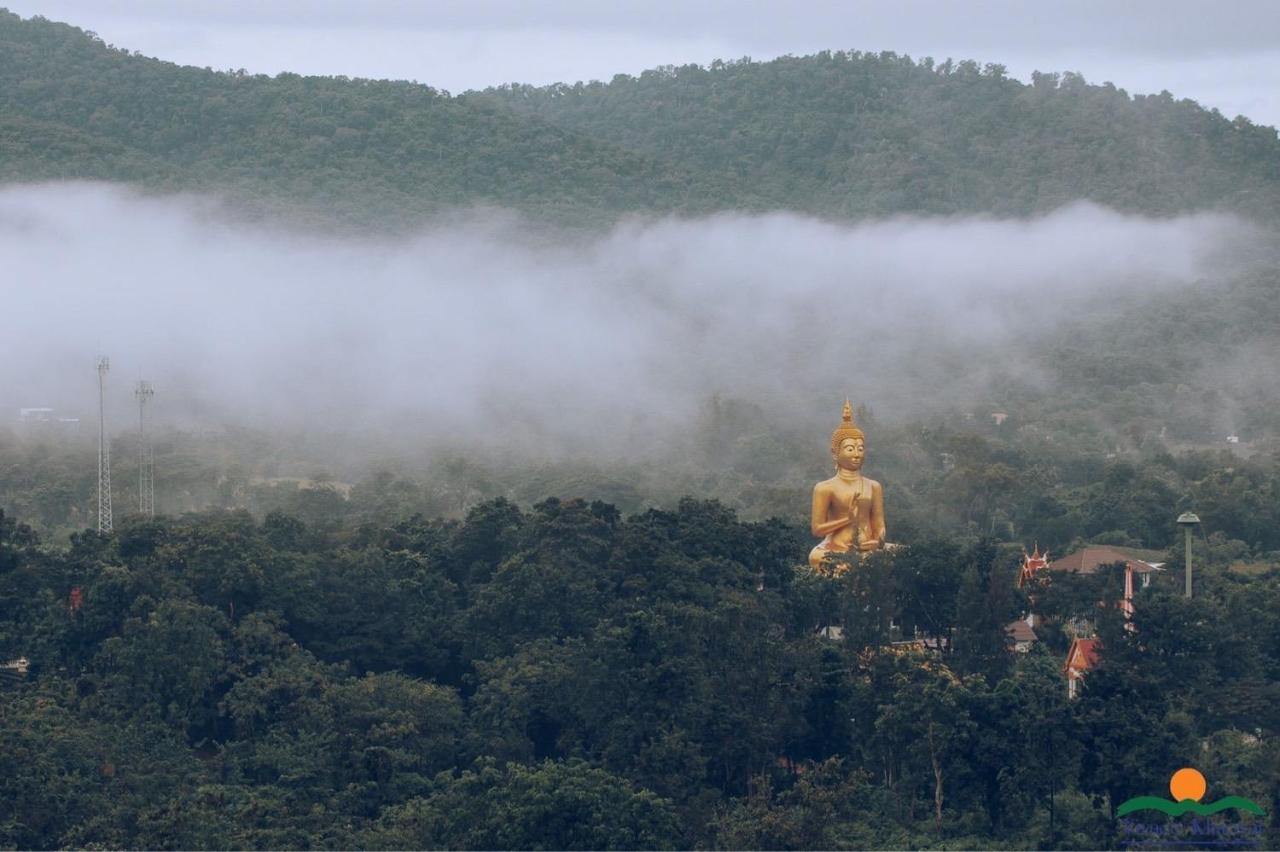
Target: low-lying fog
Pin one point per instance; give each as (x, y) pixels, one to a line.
(485, 325)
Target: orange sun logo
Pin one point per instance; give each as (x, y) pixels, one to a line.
(1187, 783)
(1187, 787)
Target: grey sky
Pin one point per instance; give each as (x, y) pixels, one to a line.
(1224, 55)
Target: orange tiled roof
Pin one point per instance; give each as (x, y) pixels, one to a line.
(1082, 655)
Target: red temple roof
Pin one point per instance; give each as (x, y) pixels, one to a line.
(1082, 655)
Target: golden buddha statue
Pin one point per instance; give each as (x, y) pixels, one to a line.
(848, 508)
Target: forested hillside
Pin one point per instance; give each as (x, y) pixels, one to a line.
(345, 150)
(842, 135)
(852, 134)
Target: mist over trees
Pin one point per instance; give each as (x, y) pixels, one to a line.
(488, 429)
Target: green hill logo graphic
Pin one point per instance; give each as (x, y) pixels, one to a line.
(1187, 787)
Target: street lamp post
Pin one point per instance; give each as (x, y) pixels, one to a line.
(1187, 520)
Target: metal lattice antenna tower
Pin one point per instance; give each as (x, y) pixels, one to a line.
(146, 462)
(104, 450)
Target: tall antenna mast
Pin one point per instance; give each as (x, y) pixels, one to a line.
(146, 461)
(104, 450)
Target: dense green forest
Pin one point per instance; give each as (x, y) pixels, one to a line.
(842, 135)
(566, 677)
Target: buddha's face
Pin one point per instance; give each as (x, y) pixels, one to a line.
(850, 454)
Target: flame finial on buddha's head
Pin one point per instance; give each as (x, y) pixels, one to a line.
(846, 429)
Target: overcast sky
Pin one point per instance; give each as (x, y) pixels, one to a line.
(1224, 55)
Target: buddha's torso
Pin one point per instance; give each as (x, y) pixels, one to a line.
(840, 492)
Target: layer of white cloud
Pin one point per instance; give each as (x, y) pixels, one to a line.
(480, 326)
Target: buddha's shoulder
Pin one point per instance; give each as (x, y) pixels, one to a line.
(836, 482)
(827, 484)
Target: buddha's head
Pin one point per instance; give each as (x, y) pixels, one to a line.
(848, 445)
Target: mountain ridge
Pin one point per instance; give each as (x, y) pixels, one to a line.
(948, 138)
(838, 135)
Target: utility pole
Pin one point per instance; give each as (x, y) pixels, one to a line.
(104, 450)
(146, 461)
(1188, 520)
